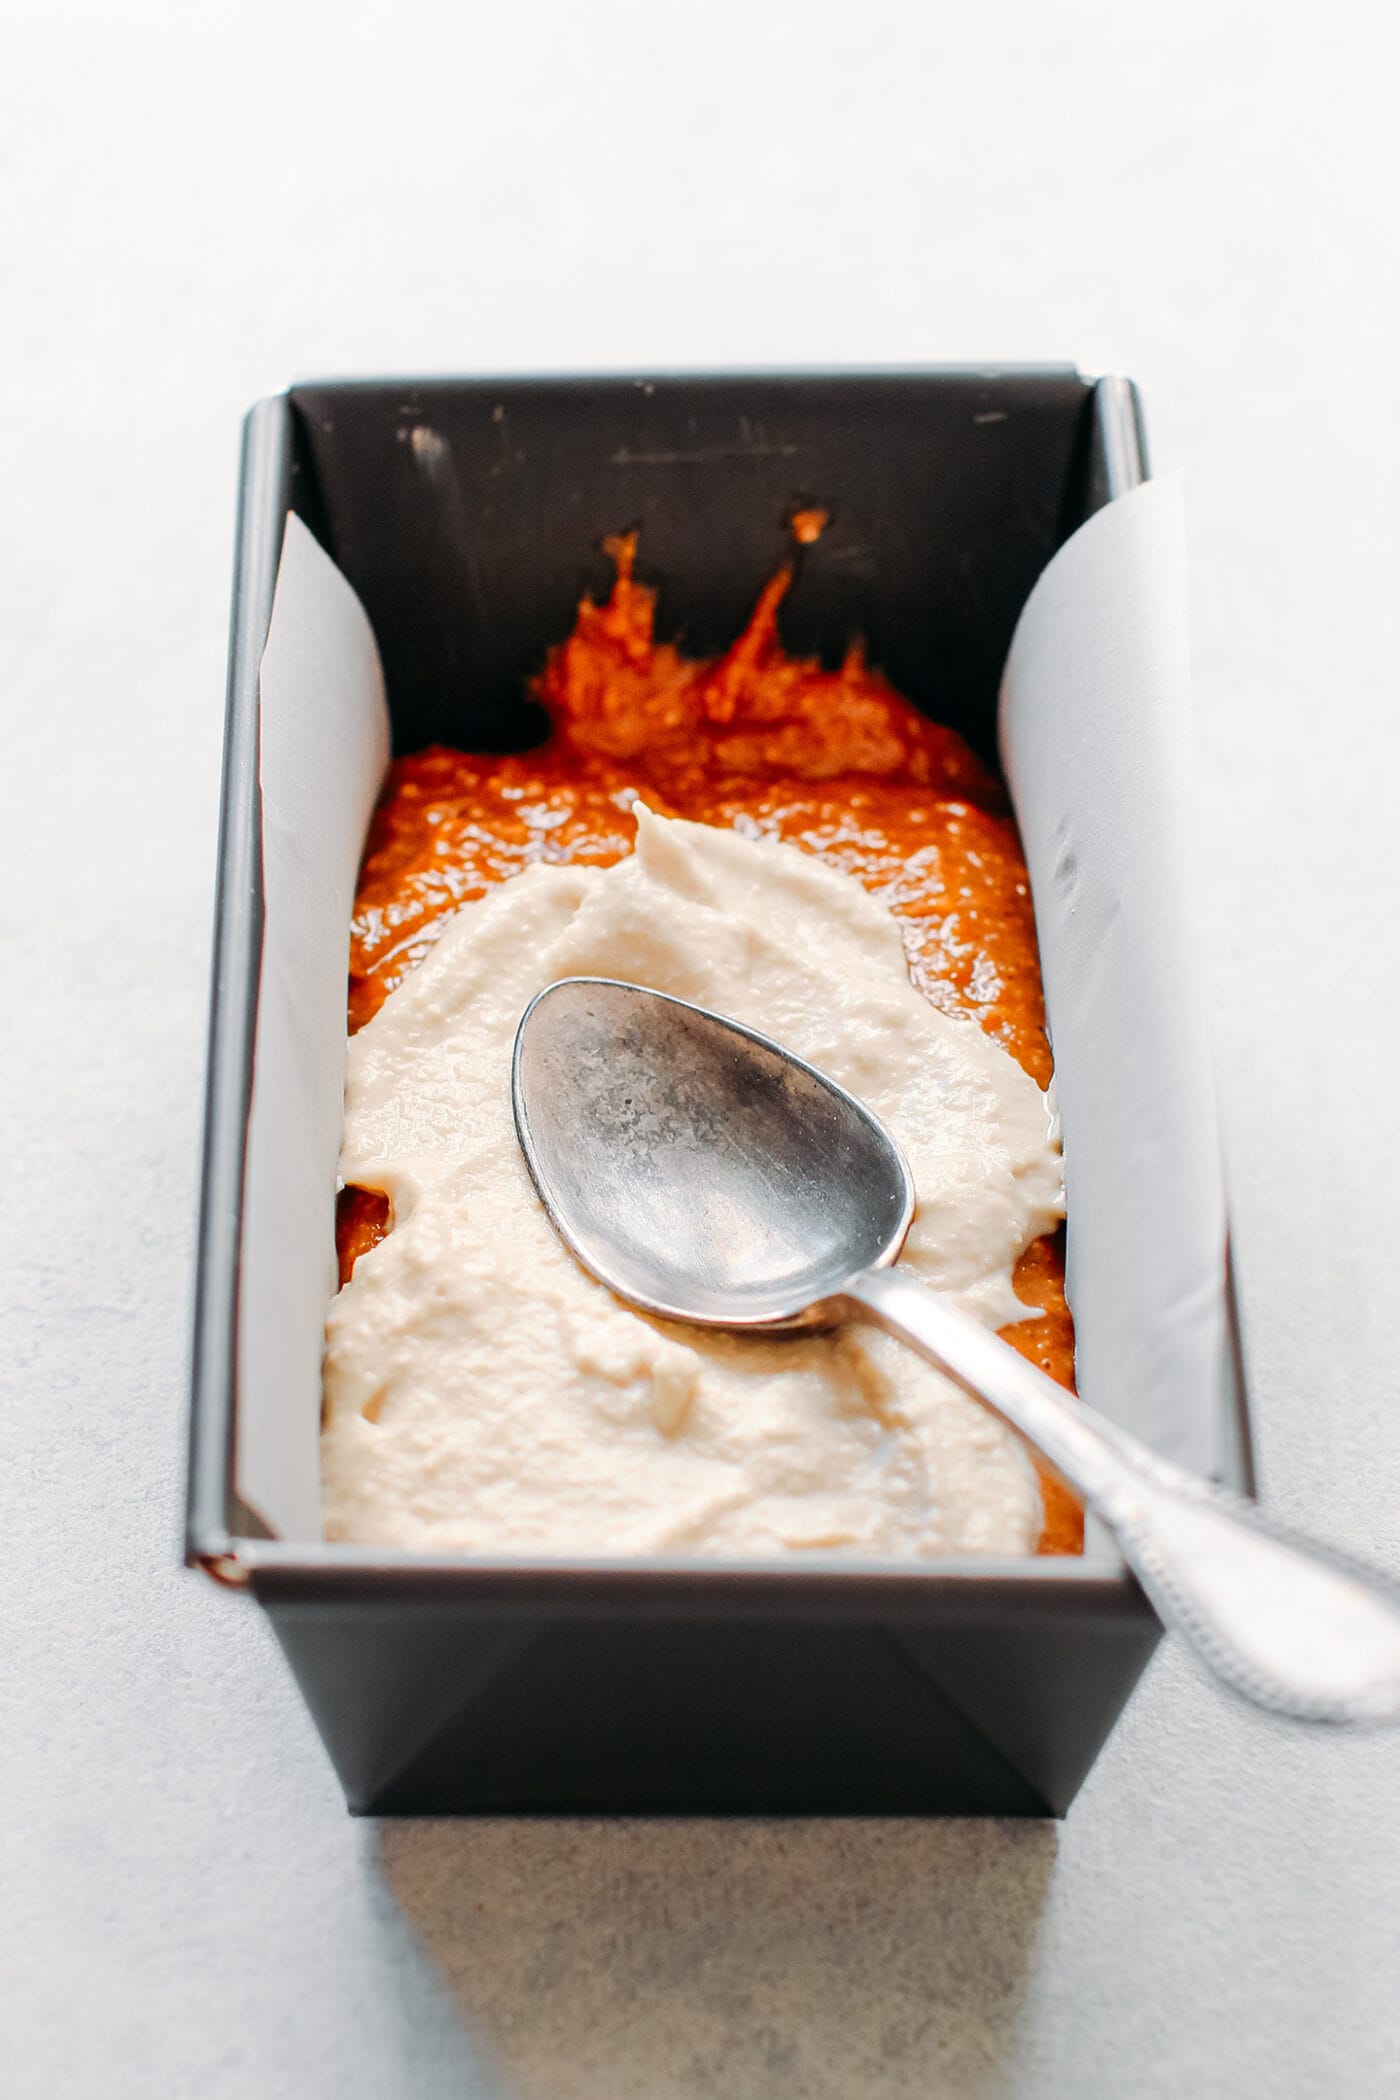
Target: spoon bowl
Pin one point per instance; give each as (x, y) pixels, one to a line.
(694, 1167)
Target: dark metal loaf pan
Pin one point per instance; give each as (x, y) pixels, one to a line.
(454, 1685)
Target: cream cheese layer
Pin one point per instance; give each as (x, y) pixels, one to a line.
(483, 1393)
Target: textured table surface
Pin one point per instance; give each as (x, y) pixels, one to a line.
(201, 204)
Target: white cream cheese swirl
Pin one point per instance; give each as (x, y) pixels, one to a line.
(482, 1393)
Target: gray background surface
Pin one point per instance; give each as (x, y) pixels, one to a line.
(198, 206)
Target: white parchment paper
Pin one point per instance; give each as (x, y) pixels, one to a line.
(1095, 735)
(323, 747)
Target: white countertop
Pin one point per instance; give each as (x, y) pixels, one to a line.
(201, 207)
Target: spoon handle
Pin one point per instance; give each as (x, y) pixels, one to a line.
(1283, 1621)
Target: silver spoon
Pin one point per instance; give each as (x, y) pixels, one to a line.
(705, 1174)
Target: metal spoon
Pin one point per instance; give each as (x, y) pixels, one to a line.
(705, 1174)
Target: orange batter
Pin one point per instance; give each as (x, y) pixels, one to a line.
(836, 762)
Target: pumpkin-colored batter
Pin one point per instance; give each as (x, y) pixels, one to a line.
(836, 762)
